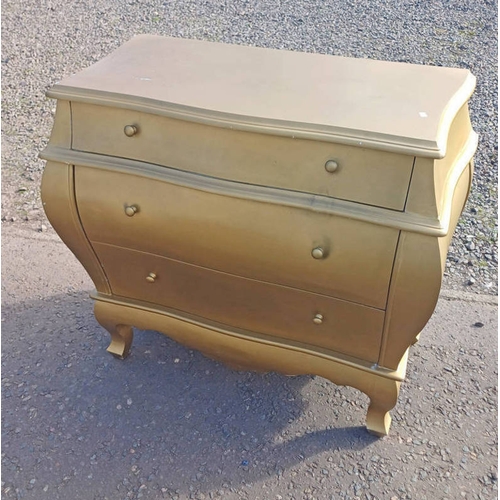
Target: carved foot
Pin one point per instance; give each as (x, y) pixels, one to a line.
(378, 420)
(121, 340)
(383, 398)
(121, 335)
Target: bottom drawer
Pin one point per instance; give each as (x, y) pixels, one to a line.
(244, 303)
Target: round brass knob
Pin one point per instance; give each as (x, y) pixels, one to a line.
(130, 130)
(131, 210)
(331, 166)
(318, 319)
(151, 277)
(318, 253)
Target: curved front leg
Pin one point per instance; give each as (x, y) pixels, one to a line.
(121, 335)
(383, 397)
(121, 340)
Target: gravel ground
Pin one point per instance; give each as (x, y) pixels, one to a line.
(46, 40)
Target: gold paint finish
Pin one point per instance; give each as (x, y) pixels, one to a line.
(130, 130)
(391, 106)
(239, 302)
(267, 242)
(251, 351)
(261, 159)
(266, 262)
(241, 237)
(318, 319)
(318, 253)
(414, 250)
(58, 200)
(331, 166)
(131, 210)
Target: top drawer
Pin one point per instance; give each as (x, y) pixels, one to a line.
(363, 175)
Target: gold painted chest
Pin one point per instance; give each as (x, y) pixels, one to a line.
(275, 210)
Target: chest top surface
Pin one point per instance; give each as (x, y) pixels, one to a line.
(385, 105)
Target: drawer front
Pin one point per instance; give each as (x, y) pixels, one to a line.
(362, 175)
(264, 241)
(260, 307)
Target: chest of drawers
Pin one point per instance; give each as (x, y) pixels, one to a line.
(275, 210)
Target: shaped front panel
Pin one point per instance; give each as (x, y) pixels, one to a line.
(296, 247)
(350, 173)
(295, 315)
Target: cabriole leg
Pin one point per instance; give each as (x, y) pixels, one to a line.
(383, 398)
(121, 335)
(378, 420)
(121, 340)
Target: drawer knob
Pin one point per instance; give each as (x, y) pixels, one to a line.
(150, 278)
(130, 130)
(131, 210)
(318, 253)
(331, 166)
(318, 319)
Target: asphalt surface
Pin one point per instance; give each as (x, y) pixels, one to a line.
(170, 423)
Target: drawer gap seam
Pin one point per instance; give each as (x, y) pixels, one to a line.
(243, 277)
(409, 183)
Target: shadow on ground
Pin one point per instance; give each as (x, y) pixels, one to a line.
(166, 419)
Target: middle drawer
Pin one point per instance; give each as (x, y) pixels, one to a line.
(291, 246)
(242, 303)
